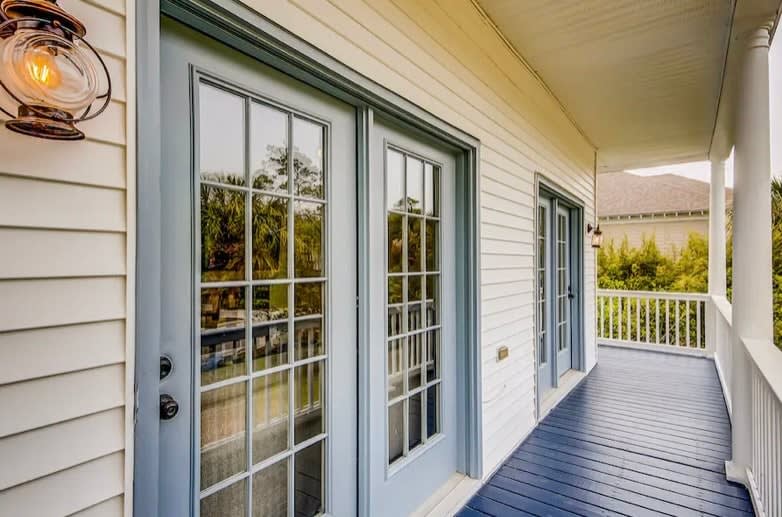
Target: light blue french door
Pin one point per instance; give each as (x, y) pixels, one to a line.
(259, 289)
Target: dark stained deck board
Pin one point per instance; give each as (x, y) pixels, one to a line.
(645, 434)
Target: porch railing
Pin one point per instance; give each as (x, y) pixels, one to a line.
(652, 319)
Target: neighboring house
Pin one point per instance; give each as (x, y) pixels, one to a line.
(330, 257)
(666, 207)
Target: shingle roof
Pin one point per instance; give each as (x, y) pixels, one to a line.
(622, 193)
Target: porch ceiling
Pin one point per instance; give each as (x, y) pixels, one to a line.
(641, 79)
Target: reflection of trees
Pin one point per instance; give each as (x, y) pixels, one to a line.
(222, 232)
(307, 245)
(272, 175)
(270, 237)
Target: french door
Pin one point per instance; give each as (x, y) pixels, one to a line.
(556, 288)
(259, 289)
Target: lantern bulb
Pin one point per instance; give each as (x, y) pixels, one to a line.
(41, 67)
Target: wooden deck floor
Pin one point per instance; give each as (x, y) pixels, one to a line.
(644, 434)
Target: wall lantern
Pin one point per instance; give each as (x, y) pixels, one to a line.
(597, 235)
(49, 70)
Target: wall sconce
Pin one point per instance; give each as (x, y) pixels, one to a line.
(49, 70)
(597, 235)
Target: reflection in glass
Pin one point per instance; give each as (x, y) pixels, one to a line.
(431, 190)
(270, 491)
(221, 135)
(415, 346)
(395, 289)
(308, 231)
(223, 355)
(309, 338)
(432, 355)
(309, 481)
(395, 180)
(308, 158)
(432, 410)
(414, 244)
(307, 389)
(432, 300)
(395, 242)
(268, 148)
(395, 363)
(228, 502)
(270, 346)
(270, 415)
(222, 307)
(432, 246)
(309, 298)
(414, 421)
(415, 185)
(222, 234)
(396, 323)
(270, 237)
(414, 318)
(414, 291)
(396, 432)
(222, 433)
(270, 302)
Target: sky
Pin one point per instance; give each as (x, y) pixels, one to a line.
(701, 170)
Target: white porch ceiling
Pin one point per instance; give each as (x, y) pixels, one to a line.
(641, 79)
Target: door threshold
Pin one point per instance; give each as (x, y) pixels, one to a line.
(567, 382)
(450, 497)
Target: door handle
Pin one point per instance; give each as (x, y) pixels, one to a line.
(169, 407)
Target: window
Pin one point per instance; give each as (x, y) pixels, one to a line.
(413, 304)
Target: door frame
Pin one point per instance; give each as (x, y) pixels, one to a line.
(545, 186)
(234, 24)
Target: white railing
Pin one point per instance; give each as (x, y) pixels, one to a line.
(719, 337)
(765, 471)
(674, 322)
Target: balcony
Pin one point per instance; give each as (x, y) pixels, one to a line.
(648, 431)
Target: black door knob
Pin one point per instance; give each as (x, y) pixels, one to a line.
(165, 366)
(168, 407)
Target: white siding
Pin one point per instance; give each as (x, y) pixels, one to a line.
(65, 224)
(443, 56)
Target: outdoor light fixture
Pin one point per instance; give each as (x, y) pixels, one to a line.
(597, 235)
(49, 70)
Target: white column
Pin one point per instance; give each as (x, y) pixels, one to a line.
(717, 250)
(752, 287)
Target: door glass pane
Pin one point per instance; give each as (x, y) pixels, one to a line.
(270, 237)
(308, 158)
(221, 135)
(415, 186)
(270, 415)
(268, 148)
(270, 490)
(395, 180)
(222, 355)
(222, 234)
(223, 451)
(270, 346)
(228, 502)
(309, 481)
(432, 410)
(413, 300)
(286, 316)
(396, 430)
(270, 303)
(308, 232)
(561, 282)
(307, 389)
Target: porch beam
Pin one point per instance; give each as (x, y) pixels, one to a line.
(752, 281)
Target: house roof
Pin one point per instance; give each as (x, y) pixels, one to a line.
(622, 193)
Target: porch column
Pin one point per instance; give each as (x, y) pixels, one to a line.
(752, 286)
(717, 229)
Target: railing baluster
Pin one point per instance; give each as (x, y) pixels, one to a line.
(647, 321)
(628, 329)
(619, 318)
(657, 320)
(698, 324)
(687, 322)
(638, 319)
(678, 340)
(601, 301)
(610, 317)
(667, 322)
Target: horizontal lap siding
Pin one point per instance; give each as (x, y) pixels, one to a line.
(64, 303)
(443, 56)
